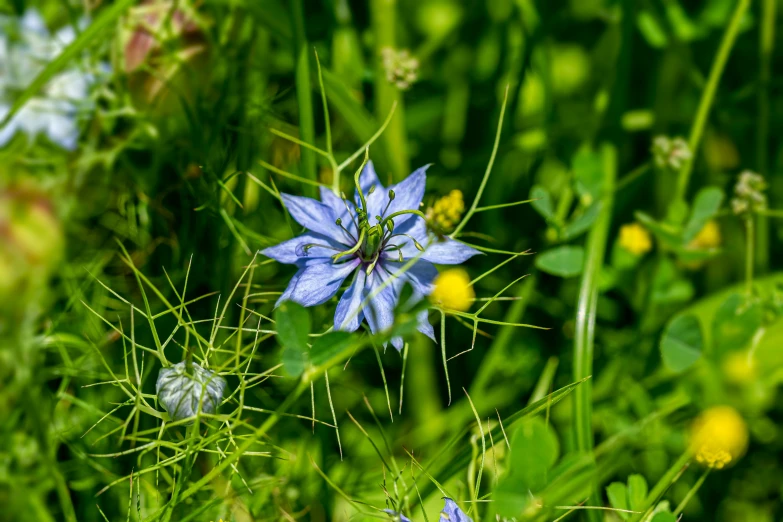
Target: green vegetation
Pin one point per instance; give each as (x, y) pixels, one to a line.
(539, 279)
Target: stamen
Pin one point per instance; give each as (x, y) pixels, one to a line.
(339, 223)
(352, 250)
(304, 250)
(391, 198)
(397, 248)
(374, 261)
(345, 202)
(403, 212)
(415, 243)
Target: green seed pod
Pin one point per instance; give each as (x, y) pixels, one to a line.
(184, 395)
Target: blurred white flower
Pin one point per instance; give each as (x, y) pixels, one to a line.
(26, 47)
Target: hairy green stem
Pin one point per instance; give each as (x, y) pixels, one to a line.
(708, 96)
(586, 311)
(387, 96)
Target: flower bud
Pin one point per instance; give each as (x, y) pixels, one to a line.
(635, 239)
(184, 395)
(718, 436)
(670, 153)
(453, 290)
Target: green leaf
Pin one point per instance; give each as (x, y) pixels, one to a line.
(622, 259)
(103, 21)
(651, 29)
(534, 450)
(330, 345)
(293, 325)
(666, 233)
(460, 455)
(294, 361)
(682, 342)
(705, 206)
(582, 223)
(668, 286)
(588, 174)
(562, 261)
(637, 492)
(542, 202)
(735, 323)
(664, 517)
(617, 493)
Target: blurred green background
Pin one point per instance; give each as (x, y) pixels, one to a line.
(173, 182)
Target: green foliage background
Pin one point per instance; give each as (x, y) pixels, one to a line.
(174, 188)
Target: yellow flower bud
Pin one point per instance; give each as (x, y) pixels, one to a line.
(708, 237)
(635, 239)
(447, 211)
(453, 290)
(719, 436)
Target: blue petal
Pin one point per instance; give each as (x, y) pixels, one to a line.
(7, 132)
(286, 295)
(34, 23)
(348, 315)
(318, 283)
(408, 195)
(313, 215)
(380, 312)
(424, 325)
(448, 252)
(292, 251)
(340, 209)
(332, 200)
(403, 518)
(452, 513)
(444, 251)
(62, 130)
(420, 276)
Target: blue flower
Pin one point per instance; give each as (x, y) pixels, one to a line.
(26, 47)
(452, 513)
(397, 516)
(342, 242)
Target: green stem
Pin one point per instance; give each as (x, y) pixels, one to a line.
(766, 45)
(486, 172)
(498, 353)
(304, 94)
(708, 96)
(632, 176)
(384, 16)
(691, 492)
(669, 478)
(586, 312)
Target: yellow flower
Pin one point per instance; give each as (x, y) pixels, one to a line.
(453, 290)
(447, 211)
(739, 368)
(708, 237)
(635, 239)
(718, 437)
